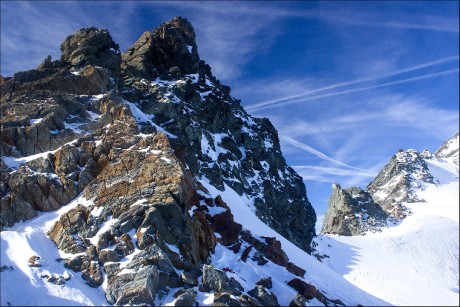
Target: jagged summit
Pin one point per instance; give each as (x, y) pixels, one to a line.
(398, 180)
(150, 163)
(168, 51)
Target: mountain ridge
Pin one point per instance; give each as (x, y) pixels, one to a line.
(136, 158)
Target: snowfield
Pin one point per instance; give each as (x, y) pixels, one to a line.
(415, 262)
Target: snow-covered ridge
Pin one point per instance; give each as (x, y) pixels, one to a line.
(450, 149)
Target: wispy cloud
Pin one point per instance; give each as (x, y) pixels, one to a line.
(321, 155)
(418, 22)
(304, 96)
(334, 171)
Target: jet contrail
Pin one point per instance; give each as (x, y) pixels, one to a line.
(341, 84)
(300, 99)
(321, 155)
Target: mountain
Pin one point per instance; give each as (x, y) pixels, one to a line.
(353, 211)
(137, 178)
(412, 257)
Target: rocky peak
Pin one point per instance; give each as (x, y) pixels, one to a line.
(398, 180)
(91, 46)
(450, 149)
(352, 212)
(145, 168)
(168, 51)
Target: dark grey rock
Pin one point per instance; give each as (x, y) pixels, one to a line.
(352, 212)
(217, 281)
(133, 288)
(185, 298)
(298, 301)
(226, 299)
(91, 46)
(265, 297)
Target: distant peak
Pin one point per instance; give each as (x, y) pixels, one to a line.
(450, 149)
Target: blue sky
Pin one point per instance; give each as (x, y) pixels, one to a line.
(346, 83)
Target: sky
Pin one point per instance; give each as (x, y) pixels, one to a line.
(346, 84)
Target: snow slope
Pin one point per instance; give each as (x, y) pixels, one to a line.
(317, 273)
(415, 262)
(23, 285)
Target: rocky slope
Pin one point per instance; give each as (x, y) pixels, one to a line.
(399, 182)
(128, 139)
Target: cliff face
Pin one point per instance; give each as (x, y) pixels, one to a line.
(352, 212)
(126, 140)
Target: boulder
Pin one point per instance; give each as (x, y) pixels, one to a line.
(264, 297)
(352, 212)
(91, 272)
(217, 281)
(133, 288)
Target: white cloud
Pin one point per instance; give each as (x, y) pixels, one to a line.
(305, 95)
(419, 22)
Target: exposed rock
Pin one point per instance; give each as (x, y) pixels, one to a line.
(64, 232)
(309, 292)
(91, 46)
(217, 281)
(111, 269)
(216, 138)
(107, 255)
(298, 301)
(133, 288)
(91, 272)
(226, 299)
(132, 151)
(294, 269)
(245, 254)
(185, 297)
(224, 224)
(33, 261)
(398, 181)
(352, 212)
(273, 251)
(263, 296)
(449, 149)
(265, 282)
(189, 278)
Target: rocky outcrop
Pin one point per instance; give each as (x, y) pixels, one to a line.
(449, 150)
(213, 135)
(398, 182)
(90, 46)
(169, 52)
(352, 212)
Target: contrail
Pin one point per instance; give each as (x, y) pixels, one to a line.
(321, 155)
(341, 84)
(300, 99)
